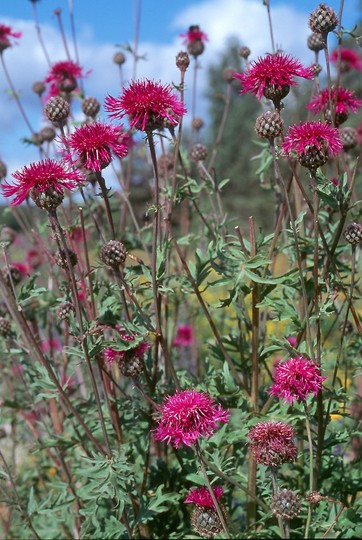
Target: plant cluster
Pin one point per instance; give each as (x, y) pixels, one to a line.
(165, 373)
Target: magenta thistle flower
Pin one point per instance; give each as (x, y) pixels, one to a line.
(148, 105)
(62, 77)
(194, 34)
(187, 416)
(295, 379)
(271, 443)
(274, 72)
(6, 33)
(313, 143)
(349, 59)
(201, 496)
(344, 100)
(92, 145)
(184, 336)
(41, 176)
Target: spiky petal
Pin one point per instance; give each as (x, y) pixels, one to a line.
(201, 496)
(147, 104)
(6, 33)
(295, 379)
(94, 145)
(61, 72)
(187, 416)
(273, 70)
(345, 101)
(42, 176)
(349, 58)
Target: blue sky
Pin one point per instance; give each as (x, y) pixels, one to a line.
(103, 24)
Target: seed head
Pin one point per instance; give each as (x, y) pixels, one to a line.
(244, 52)
(182, 61)
(57, 109)
(323, 20)
(206, 521)
(47, 134)
(113, 253)
(61, 258)
(353, 233)
(64, 310)
(5, 327)
(198, 152)
(39, 88)
(349, 138)
(47, 199)
(228, 74)
(269, 125)
(197, 123)
(91, 106)
(119, 58)
(315, 42)
(286, 504)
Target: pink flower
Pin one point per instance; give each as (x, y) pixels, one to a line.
(138, 350)
(187, 416)
(313, 142)
(194, 34)
(6, 32)
(295, 379)
(33, 259)
(344, 100)
(271, 443)
(93, 145)
(292, 340)
(184, 336)
(62, 77)
(41, 176)
(148, 105)
(350, 59)
(201, 496)
(272, 72)
(51, 345)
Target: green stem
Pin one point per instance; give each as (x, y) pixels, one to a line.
(311, 467)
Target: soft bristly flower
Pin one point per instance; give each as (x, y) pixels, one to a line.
(344, 100)
(147, 104)
(92, 145)
(271, 443)
(6, 33)
(187, 416)
(313, 143)
(62, 77)
(201, 496)
(295, 379)
(42, 176)
(194, 34)
(184, 336)
(349, 58)
(272, 73)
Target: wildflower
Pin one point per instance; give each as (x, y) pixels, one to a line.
(184, 336)
(6, 33)
(296, 378)
(313, 142)
(148, 104)
(62, 77)
(349, 59)
(130, 359)
(92, 145)
(292, 340)
(40, 178)
(272, 76)
(201, 496)
(271, 443)
(205, 519)
(195, 40)
(187, 416)
(344, 100)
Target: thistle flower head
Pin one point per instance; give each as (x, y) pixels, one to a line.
(295, 379)
(62, 76)
(184, 336)
(271, 443)
(6, 35)
(345, 101)
(349, 59)
(147, 104)
(313, 143)
(272, 72)
(201, 496)
(194, 34)
(93, 145)
(187, 416)
(42, 176)
(136, 348)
